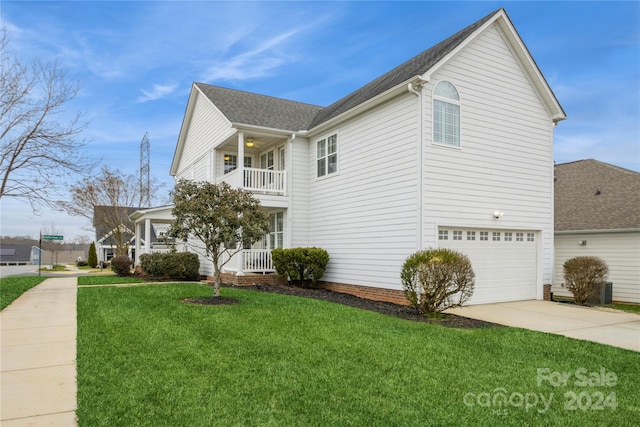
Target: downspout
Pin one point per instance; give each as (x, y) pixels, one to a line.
(415, 87)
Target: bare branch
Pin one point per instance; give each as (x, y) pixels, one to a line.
(41, 149)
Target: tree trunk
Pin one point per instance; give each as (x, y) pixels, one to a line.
(216, 274)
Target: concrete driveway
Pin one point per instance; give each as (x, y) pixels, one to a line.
(602, 325)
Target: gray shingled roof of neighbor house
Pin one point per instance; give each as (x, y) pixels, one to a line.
(259, 110)
(592, 195)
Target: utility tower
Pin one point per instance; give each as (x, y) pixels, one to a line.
(145, 179)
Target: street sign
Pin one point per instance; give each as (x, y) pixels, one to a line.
(52, 237)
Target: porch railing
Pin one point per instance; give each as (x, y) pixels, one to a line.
(258, 180)
(251, 261)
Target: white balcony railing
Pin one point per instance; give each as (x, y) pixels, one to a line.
(257, 180)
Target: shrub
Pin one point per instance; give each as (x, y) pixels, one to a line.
(300, 265)
(81, 263)
(437, 279)
(121, 265)
(177, 265)
(583, 276)
(92, 258)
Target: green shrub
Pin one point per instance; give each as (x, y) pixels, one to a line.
(300, 265)
(583, 276)
(81, 263)
(177, 265)
(437, 279)
(92, 258)
(121, 265)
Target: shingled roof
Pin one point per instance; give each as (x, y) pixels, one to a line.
(260, 110)
(416, 66)
(592, 195)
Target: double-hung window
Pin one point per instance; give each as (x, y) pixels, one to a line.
(276, 230)
(446, 115)
(327, 155)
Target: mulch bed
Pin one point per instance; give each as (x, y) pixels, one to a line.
(387, 308)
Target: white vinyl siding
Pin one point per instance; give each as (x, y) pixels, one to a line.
(621, 252)
(207, 127)
(365, 217)
(506, 159)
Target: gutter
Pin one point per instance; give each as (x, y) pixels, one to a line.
(613, 230)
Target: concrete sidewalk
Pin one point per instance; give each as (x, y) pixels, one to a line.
(605, 326)
(38, 356)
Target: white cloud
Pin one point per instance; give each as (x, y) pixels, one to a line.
(254, 63)
(158, 91)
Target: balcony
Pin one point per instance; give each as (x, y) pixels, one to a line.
(264, 181)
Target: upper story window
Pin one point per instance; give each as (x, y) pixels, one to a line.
(446, 115)
(327, 155)
(231, 162)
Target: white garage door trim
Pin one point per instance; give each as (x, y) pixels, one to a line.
(505, 262)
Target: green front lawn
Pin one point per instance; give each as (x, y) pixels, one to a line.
(14, 286)
(107, 280)
(146, 359)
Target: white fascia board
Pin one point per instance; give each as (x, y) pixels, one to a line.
(277, 133)
(186, 121)
(160, 211)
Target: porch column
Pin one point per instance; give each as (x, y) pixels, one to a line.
(241, 158)
(240, 266)
(138, 242)
(147, 235)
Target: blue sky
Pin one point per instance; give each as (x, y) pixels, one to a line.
(136, 62)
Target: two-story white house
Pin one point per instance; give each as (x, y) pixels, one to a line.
(453, 148)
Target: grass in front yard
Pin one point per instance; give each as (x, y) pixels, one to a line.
(630, 308)
(12, 287)
(146, 359)
(107, 280)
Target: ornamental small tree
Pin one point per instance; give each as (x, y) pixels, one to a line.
(583, 276)
(224, 219)
(437, 279)
(92, 258)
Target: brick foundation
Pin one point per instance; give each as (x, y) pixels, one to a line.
(546, 292)
(248, 279)
(377, 294)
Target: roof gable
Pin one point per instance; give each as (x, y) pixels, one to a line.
(592, 195)
(416, 66)
(260, 110)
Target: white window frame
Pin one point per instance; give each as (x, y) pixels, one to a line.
(323, 156)
(442, 101)
(276, 230)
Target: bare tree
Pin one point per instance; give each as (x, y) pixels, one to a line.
(107, 200)
(40, 149)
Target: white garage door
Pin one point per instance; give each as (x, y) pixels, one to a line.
(504, 261)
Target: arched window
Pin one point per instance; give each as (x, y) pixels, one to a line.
(446, 115)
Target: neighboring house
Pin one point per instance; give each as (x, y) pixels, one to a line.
(453, 148)
(19, 254)
(110, 222)
(597, 213)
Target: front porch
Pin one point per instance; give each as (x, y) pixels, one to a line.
(249, 261)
